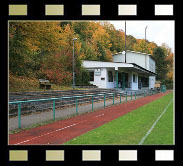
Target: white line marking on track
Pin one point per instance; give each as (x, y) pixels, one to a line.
(99, 115)
(154, 124)
(55, 131)
(46, 134)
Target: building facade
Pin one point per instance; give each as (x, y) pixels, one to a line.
(137, 73)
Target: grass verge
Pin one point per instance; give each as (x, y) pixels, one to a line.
(25, 84)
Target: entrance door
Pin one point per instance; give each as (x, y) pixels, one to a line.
(120, 79)
(124, 80)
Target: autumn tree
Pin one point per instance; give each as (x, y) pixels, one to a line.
(139, 45)
(85, 31)
(30, 43)
(130, 42)
(116, 37)
(150, 47)
(59, 65)
(102, 44)
(45, 49)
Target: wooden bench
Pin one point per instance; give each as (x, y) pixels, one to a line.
(44, 84)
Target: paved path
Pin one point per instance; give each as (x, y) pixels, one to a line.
(62, 131)
(41, 117)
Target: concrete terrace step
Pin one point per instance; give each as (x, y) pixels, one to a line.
(60, 104)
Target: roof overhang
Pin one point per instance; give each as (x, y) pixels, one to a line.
(143, 70)
(132, 66)
(99, 64)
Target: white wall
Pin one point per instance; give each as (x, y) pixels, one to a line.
(140, 59)
(119, 58)
(152, 80)
(97, 79)
(105, 84)
(131, 58)
(147, 61)
(111, 84)
(152, 65)
(134, 84)
(135, 58)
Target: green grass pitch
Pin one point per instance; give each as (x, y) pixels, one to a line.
(132, 127)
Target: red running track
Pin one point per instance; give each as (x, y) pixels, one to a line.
(65, 130)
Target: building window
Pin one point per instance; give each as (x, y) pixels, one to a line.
(110, 76)
(91, 75)
(134, 78)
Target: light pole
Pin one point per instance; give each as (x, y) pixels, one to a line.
(125, 41)
(73, 65)
(145, 48)
(145, 39)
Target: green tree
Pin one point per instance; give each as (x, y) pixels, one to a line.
(161, 63)
(169, 57)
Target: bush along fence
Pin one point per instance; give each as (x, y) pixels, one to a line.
(128, 95)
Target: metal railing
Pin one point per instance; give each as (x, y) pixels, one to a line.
(145, 85)
(127, 94)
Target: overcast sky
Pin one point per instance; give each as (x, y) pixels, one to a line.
(157, 31)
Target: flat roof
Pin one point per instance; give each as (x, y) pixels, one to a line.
(132, 52)
(138, 52)
(142, 53)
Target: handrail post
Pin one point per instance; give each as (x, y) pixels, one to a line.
(76, 105)
(120, 97)
(53, 109)
(92, 103)
(126, 97)
(19, 115)
(104, 101)
(113, 99)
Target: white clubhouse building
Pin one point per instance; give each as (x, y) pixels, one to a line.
(137, 73)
